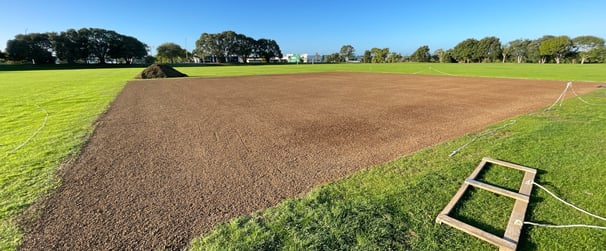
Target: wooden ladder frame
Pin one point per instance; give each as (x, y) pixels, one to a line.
(512, 233)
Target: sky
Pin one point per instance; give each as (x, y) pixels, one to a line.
(312, 26)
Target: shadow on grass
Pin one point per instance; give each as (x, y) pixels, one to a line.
(466, 210)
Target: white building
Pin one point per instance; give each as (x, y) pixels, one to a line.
(296, 58)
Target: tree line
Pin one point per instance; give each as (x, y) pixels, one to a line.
(86, 45)
(546, 49)
(94, 45)
(223, 47)
(232, 47)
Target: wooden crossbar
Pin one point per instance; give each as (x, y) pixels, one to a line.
(497, 190)
(514, 227)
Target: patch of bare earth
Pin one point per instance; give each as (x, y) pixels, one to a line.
(172, 158)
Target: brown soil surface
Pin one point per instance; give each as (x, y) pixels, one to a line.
(171, 159)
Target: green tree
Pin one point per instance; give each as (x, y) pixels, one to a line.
(421, 54)
(379, 55)
(227, 42)
(346, 52)
(533, 53)
(36, 47)
(17, 49)
(268, 48)
(170, 52)
(518, 49)
(221, 46)
(208, 45)
(394, 58)
(505, 52)
(488, 49)
(244, 47)
(367, 56)
(584, 45)
(127, 48)
(2, 55)
(556, 47)
(333, 58)
(448, 56)
(440, 53)
(149, 59)
(99, 42)
(70, 46)
(598, 55)
(465, 51)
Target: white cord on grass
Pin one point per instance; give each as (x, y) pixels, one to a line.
(33, 135)
(568, 204)
(415, 73)
(560, 99)
(579, 97)
(485, 133)
(564, 226)
(436, 70)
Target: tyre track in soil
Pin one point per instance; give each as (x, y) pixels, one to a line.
(172, 158)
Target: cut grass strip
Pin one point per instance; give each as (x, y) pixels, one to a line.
(566, 72)
(394, 206)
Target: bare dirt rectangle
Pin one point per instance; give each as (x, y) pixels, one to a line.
(172, 158)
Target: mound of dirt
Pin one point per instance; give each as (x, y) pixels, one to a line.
(160, 71)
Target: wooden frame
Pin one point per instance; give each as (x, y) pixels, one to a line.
(512, 233)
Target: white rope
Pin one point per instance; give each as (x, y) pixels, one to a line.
(485, 133)
(415, 73)
(579, 97)
(560, 100)
(563, 226)
(436, 70)
(561, 97)
(568, 204)
(569, 86)
(33, 135)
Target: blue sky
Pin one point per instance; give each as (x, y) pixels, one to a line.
(313, 26)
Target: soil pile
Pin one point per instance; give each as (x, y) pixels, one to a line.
(160, 71)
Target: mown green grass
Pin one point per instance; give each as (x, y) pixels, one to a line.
(568, 72)
(394, 206)
(73, 99)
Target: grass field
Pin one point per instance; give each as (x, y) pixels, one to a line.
(45, 116)
(593, 72)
